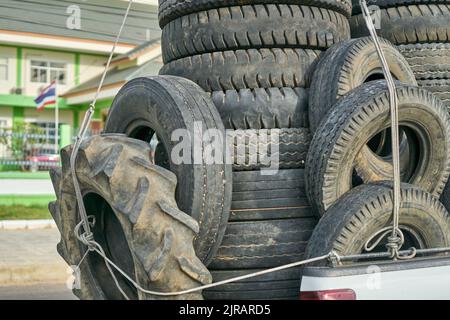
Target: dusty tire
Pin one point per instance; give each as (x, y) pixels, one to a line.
(281, 285)
(428, 60)
(393, 3)
(269, 197)
(172, 9)
(270, 224)
(439, 87)
(246, 69)
(252, 27)
(268, 148)
(335, 148)
(348, 65)
(162, 105)
(261, 108)
(352, 220)
(138, 222)
(409, 24)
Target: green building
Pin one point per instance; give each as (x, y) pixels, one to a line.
(70, 42)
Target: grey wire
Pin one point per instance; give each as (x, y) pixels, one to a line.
(394, 244)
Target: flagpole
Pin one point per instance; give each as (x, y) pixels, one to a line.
(56, 120)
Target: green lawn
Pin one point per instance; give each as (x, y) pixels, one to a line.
(21, 212)
(24, 175)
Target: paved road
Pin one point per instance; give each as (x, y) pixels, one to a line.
(31, 256)
(26, 186)
(42, 291)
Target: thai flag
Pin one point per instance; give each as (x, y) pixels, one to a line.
(47, 96)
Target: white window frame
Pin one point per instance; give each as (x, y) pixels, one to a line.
(8, 73)
(48, 68)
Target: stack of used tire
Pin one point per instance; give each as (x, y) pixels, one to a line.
(421, 31)
(255, 58)
(349, 169)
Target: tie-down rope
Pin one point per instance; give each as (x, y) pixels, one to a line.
(396, 238)
(83, 229)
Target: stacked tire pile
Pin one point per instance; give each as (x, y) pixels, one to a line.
(349, 162)
(421, 31)
(255, 59)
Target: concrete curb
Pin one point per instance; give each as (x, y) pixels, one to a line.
(26, 224)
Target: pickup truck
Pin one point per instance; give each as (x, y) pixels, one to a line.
(418, 278)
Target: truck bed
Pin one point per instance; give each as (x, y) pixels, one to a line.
(419, 278)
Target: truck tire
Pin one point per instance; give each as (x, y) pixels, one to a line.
(241, 69)
(336, 146)
(137, 221)
(383, 4)
(265, 148)
(439, 87)
(252, 27)
(348, 65)
(172, 9)
(270, 224)
(428, 60)
(161, 105)
(262, 108)
(409, 24)
(361, 212)
(280, 285)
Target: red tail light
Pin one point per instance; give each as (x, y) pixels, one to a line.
(336, 294)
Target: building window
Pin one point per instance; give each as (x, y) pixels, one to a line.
(45, 72)
(4, 66)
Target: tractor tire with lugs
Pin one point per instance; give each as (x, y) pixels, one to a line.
(134, 217)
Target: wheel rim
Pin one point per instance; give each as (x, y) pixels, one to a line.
(109, 234)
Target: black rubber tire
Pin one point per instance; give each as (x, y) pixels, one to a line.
(266, 197)
(166, 104)
(428, 60)
(268, 148)
(252, 27)
(409, 24)
(439, 87)
(172, 9)
(335, 148)
(346, 66)
(272, 220)
(383, 4)
(138, 223)
(280, 285)
(361, 212)
(263, 243)
(263, 108)
(241, 69)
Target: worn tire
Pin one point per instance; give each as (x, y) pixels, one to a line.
(428, 60)
(352, 220)
(241, 69)
(409, 24)
(280, 285)
(138, 222)
(336, 144)
(268, 148)
(252, 27)
(172, 9)
(393, 3)
(268, 212)
(163, 104)
(439, 87)
(269, 197)
(348, 65)
(263, 108)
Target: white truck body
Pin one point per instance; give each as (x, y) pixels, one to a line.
(423, 279)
